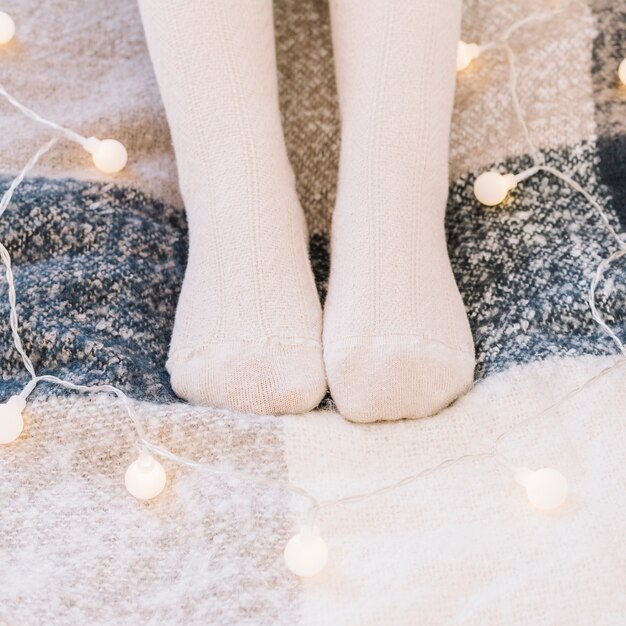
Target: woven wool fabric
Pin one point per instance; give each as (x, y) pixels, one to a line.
(98, 265)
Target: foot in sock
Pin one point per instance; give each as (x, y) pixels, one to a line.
(397, 342)
(247, 333)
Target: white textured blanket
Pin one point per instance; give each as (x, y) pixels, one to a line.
(98, 265)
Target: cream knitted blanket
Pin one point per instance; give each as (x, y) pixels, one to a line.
(98, 266)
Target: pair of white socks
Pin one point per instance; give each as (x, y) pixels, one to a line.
(248, 330)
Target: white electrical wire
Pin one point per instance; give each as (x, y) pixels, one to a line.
(70, 134)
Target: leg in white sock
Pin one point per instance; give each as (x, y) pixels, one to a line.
(247, 334)
(397, 341)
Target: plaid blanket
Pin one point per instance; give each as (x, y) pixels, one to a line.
(99, 263)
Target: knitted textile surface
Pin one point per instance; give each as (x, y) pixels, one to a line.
(98, 265)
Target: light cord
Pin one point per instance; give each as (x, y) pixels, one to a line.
(530, 19)
(517, 108)
(6, 257)
(70, 134)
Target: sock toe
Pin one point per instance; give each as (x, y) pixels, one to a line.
(391, 378)
(264, 377)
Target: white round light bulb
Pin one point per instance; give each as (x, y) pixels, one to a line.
(109, 155)
(491, 188)
(145, 478)
(7, 28)
(621, 72)
(306, 553)
(546, 488)
(11, 420)
(465, 54)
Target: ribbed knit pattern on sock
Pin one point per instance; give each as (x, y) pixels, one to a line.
(247, 334)
(397, 341)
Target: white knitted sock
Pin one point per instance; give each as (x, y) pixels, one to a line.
(247, 334)
(397, 341)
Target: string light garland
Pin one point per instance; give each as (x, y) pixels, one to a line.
(621, 72)
(7, 28)
(546, 488)
(466, 53)
(11, 420)
(491, 188)
(145, 478)
(109, 155)
(306, 553)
